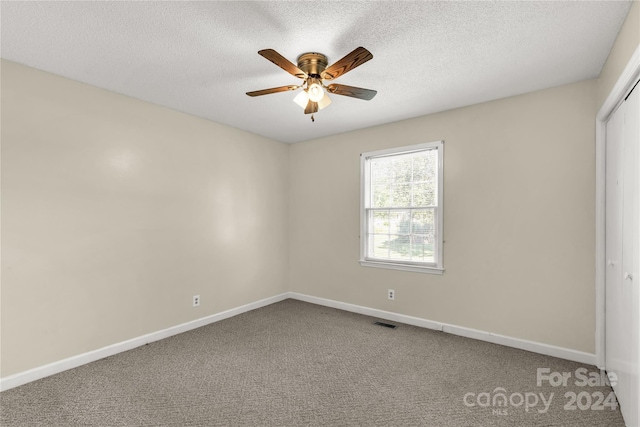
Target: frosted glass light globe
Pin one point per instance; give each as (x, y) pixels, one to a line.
(315, 92)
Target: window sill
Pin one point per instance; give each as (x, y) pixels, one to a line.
(404, 267)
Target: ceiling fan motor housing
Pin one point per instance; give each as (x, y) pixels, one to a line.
(312, 63)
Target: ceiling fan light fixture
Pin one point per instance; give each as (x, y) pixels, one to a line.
(324, 102)
(315, 91)
(302, 99)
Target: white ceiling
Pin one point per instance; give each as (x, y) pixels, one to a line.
(201, 57)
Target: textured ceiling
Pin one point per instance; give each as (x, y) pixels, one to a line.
(201, 57)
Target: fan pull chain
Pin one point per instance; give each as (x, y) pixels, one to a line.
(312, 119)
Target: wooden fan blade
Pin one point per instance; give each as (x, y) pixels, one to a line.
(272, 90)
(283, 63)
(312, 107)
(354, 59)
(352, 91)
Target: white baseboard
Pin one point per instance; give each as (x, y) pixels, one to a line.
(34, 374)
(535, 347)
(25, 377)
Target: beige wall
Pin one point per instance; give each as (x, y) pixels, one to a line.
(626, 44)
(518, 218)
(115, 212)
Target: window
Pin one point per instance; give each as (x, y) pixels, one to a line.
(401, 208)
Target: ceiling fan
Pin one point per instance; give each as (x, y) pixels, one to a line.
(312, 68)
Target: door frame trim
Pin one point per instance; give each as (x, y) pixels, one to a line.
(628, 77)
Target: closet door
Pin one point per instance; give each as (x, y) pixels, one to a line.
(616, 332)
(622, 255)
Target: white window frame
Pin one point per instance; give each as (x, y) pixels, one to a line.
(365, 188)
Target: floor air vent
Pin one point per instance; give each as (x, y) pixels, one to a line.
(386, 325)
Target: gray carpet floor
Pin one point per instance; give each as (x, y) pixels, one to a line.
(299, 364)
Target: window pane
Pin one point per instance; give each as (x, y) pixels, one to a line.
(381, 171)
(379, 222)
(423, 238)
(379, 246)
(381, 196)
(404, 225)
(424, 194)
(401, 195)
(400, 222)
(389, 196)
(401, 166)
(425, 166)
(399, 247)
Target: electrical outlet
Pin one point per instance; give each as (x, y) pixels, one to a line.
(196, 300)
(391, 294)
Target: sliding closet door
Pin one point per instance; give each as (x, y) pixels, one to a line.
(623, 254)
